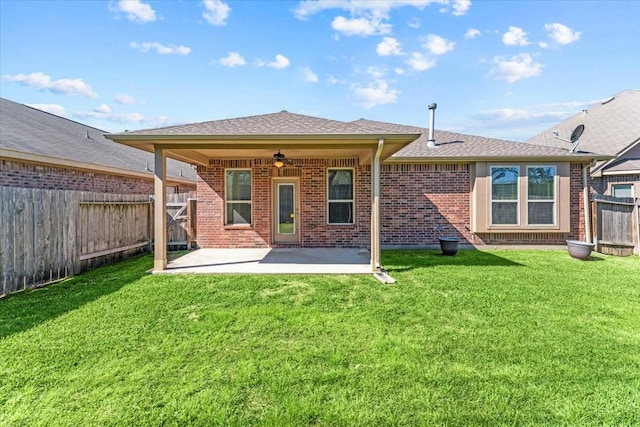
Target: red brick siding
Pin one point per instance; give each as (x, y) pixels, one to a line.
(417, 198)
(314, 230)
(48, 177)
(602, 185)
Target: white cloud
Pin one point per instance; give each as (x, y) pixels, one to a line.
(376, 73)
(561, 34)
(280, 62)
(399, 71)
(461, 7)
(160, 48)
(136, 11)
(543, 45)
(309, 75)
(414, 23)
(56, 109)
(43, 81)
(471, 33)
(102, 108)
(112, 117)
(371, 17)
(306, 8)
(216, 12)
(389, 47)
(363, 27)
(419, 62)
(375, 93)
(124, 99)
(437, 45)
(333, 80)
(515, 37)
(517, 68)
(541, 113)
(233, 59)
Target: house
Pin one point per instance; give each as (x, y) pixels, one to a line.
(287, 179)
(611, 127)
(42, 150)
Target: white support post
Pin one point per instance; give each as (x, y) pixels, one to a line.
(376, 263)
(160, 207)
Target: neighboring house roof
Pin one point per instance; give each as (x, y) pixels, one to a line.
(452, 146)
(611, 127)
(33, 135)
(628, 163)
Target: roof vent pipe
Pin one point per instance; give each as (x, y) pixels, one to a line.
(432, 118)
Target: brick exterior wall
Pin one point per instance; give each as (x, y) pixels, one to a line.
(419, 198)
(49, 177)
(602, 185)
(312, 218)
(416, 201)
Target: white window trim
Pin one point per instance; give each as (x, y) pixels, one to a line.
(227, 201)
(617, 184)
(352, 200)
(491, 201)
(555, 196)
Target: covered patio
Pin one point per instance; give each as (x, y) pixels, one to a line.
(272, 261)
(252, 148)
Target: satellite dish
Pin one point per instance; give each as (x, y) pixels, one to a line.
(577, 133)
(575, 136)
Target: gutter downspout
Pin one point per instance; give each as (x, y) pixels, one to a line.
(585, 201)
(376, 265)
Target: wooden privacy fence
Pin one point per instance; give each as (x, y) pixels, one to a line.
(47, 235)
(616, 225)
(181, 224)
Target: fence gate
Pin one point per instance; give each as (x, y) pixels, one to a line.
(616, 225)
(181, 224)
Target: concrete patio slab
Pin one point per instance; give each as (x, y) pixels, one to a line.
(273, 261)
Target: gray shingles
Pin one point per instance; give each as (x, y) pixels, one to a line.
(451, 145)
(28, 130)
(610, 127)
(282, 123)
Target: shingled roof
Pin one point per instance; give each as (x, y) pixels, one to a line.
(27, 130)
(451, 145)
(611, 127)
(281, 123)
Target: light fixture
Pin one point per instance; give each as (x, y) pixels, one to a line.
(280, 160)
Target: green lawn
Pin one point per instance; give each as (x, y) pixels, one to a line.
(483, 338)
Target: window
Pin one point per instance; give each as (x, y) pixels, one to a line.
(340, 196)
(504, 195)
(539, 186)
(622, 190)
(519, 197)
(541, 195)
(238, 197)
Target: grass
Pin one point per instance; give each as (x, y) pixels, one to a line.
(483, 338)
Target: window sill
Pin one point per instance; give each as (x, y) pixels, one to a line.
(523, 229)
(238, 227)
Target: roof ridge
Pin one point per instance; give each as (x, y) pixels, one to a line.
(54, 115)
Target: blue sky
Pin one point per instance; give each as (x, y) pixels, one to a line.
(505, 69)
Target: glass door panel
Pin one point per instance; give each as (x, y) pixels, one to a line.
(286, 209)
